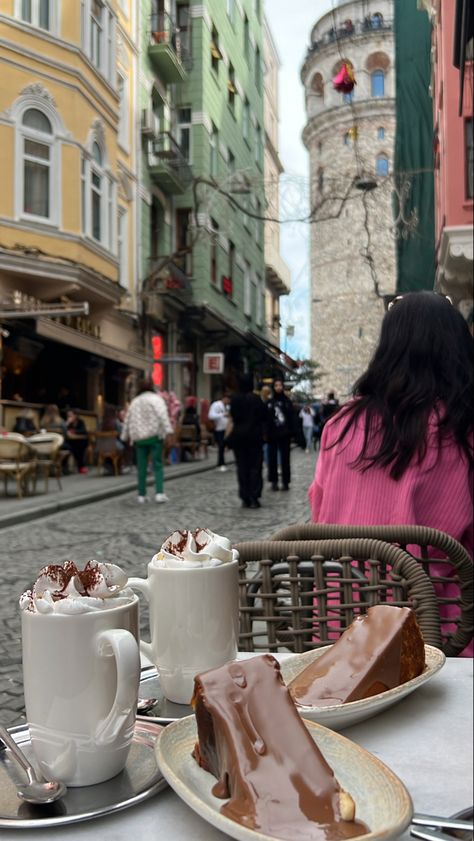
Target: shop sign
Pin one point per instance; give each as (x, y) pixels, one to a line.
(213, 363)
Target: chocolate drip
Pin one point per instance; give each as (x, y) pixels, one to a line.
(265, 760)
(379, 651)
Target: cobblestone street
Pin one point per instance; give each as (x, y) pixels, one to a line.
(121, 531)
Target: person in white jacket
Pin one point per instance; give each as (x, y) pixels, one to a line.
(147, 425)
(219, 414)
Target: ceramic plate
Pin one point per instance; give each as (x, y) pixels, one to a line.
(339, 716)
(381, 799)
(140, 779)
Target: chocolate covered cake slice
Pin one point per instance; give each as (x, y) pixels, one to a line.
(252, 739)
(380, 650)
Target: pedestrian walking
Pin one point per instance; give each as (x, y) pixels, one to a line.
(219, 416)
(247, 413)
(402, 450)
(147, 426)
(307, 420)
(280, 427)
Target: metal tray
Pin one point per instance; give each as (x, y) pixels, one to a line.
(140, 779)
(164, 711)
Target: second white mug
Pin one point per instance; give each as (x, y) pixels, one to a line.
(194, 622)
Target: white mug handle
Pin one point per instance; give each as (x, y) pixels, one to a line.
(127, 658)
(142, 585)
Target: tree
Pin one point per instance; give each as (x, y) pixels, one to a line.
(304, 380)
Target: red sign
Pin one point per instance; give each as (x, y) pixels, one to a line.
(213, 363)
(227, 285)
(157, 346)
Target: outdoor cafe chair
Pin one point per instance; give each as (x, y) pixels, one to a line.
(305, 593)
(17, 461)
(427, 546)
(107, 448)
(187, 439)
(47, 446)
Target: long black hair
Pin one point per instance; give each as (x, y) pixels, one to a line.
(423, 364)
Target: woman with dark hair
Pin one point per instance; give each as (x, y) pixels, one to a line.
(147, 425)
(402, 450)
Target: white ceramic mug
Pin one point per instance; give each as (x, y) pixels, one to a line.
(194, 622)
(81, 674)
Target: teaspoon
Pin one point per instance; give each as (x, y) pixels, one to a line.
(37, 790)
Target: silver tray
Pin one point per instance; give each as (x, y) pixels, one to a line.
(164, 711)
(140, 779)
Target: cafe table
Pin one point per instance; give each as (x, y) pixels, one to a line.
(426, 739)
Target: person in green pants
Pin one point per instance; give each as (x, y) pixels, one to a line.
(147, 425)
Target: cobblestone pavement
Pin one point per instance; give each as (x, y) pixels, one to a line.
(121, 531)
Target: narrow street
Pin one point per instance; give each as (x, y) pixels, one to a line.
(121, 531)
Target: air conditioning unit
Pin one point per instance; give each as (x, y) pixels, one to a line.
(150, 123)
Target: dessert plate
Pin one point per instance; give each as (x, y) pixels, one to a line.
(381, 799)
(140, 779)
(339, 716)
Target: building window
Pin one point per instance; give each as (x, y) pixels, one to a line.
(317, 85)
(377, 83)
(380, 133)
(122, 247)
(347, 138)
(246, 38)
(258, 70)
(381, 165)
(320, 179)
(216, 55)
(98, 36)
(37, 12)
(99, 199)
(214, 239)
(184, 249)
(184, 27)
(124, 111)
(259, 223)
(231, 259)
(258, 8)
(231, 11)
(231, 162)
(214, 151)
(246, 120)
(184, 132)
(258, 144)
(37, 140)
(247, 290)
(469, 158)
(231, 89)
(260, 300)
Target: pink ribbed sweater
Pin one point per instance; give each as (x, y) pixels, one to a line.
(436, 493)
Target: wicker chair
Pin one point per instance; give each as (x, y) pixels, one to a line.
(47, 446)
(17, 460)
(417, 540)
(307, 592)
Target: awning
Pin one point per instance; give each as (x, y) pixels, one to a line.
(68, 336)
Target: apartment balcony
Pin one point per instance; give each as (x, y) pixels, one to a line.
(168, 167)
(278, 275)
(168, 49)
(376, 25)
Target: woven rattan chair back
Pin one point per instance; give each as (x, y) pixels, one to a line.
(305, 593)
(426, 545)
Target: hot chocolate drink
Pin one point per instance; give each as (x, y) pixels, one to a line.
(67, 589)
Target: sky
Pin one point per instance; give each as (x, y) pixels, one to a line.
(291, 25)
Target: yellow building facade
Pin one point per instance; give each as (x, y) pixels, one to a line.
(68, 219)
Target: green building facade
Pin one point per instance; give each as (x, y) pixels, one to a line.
(202, 190)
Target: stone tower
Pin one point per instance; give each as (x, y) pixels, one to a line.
(350, 139)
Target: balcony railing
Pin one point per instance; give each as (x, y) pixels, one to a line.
(350, 29)
(168, 167)
(169, 48)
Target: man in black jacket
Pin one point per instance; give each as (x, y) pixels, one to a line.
(247, 411)
(280, 427)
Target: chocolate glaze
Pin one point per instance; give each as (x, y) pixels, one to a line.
(366, 659)
(265, 760)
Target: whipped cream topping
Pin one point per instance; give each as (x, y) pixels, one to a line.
(68, 590)
(200, 548)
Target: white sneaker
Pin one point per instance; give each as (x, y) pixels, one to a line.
(222, 468)
(161, 498)
(142, 499)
